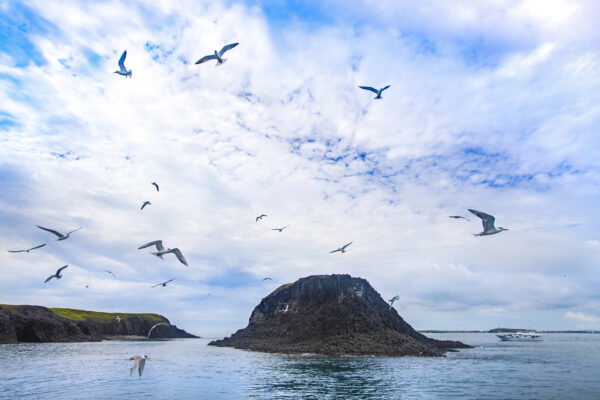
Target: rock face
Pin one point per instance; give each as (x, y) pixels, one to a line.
(332, 315)
(40, 324)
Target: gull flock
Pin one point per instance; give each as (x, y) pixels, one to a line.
(488, 221)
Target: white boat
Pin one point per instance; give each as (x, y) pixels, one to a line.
(520, 336)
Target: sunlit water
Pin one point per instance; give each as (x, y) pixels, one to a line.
(563, 366)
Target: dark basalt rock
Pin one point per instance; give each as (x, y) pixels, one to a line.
(40, 324)
(332, 315)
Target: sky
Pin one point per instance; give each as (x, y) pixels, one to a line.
(493, 105)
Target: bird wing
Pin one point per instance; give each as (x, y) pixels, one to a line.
(122, 62)
(227, 48)
(369, 88)
(60, 269)
(16, 251)
(110, 272)
(134, 366)
(346, 245)
(170, 280)
(51, 231)
(486, 219)
(37, 247)
(142, 363)
(75, 230)
(156, 186)
(159, 284)
(179, 256)
(335, 251)
(383, 88)
(257, 218)
(206, 58)
(50, 277)
(157, 243)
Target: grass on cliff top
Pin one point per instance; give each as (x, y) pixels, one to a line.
(80, 315)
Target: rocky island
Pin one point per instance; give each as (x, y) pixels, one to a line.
(332, 315)
(41, 324)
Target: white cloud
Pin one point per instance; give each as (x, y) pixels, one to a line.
(282, 128)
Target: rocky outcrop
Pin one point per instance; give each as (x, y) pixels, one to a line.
(40, 324)
(332, 315)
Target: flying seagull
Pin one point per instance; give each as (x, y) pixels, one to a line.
(28, 250)
(488, 224)
(156, 186)
(392, 300)
(341, 249)
(163, 284)
(261, 216)
(122, 70)
(162, 251)
(110, 272)
(60, 235)
(154, 326)
(287, 307)
(139, 363)
(279, 229)
(458, 217)
(218, 55)
(377, 92)
(266, 279)
(146, 203)
(57, 275)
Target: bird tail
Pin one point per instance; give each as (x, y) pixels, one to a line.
(158, 255)
(130, 73)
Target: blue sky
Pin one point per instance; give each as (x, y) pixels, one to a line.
(492, 106)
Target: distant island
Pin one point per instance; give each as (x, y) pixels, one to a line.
(24, 323)
(332, 315)
(506, 330)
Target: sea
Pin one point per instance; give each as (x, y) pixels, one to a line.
(562, 366)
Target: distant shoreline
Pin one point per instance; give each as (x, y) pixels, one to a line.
(509, 330)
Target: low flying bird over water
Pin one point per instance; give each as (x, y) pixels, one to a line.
(261, 216)
(392, 300)
(28, 250)
(57, 275)
(163, 284)
(156, 186)
(154, 326)
(279, 229)
(218, 55)
(458, 217)
(139, 362)
(488, 224)
(162, 251)
(60, 235)
(376, 91)
(341, 249)
(122, 70)
(110, 272)
(146, 203)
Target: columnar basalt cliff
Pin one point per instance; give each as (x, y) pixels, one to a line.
(40, 324)
(332, 315)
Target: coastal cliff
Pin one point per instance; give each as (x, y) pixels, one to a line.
(332, 315)
(22, 323)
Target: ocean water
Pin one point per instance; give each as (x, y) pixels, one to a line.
(563, 366)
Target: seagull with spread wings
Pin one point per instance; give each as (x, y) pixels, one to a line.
(376, 91)
(218, 55)
(162, 251)
(110, 272)
(341, 249)
(163, 284)
(122, 70)
(279, 229)
(139, 362)
(488, 224)
(146, 203)
(57, 275)
(392, 300)
(261, 216)
(60, 235)
(28, 250)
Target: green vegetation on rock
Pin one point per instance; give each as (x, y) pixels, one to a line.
(80, 315)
